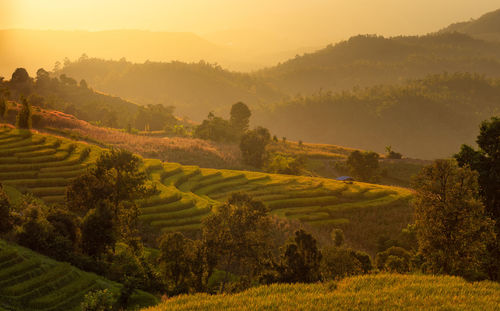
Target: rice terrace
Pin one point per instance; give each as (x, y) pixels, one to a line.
(249, 155)
(45, 164)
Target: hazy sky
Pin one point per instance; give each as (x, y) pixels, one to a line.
(306, 20)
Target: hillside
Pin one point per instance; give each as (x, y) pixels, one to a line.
(486, 27)
(30, 281)
(136, 45)
(44, 165)
(194, 89)
(287, 98)
(320, 159)
(364, 60)
(370, 292)
(422, 118)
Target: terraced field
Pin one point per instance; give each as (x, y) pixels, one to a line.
(45, 164)
(189, 193)
(29, 281)
(41, 164)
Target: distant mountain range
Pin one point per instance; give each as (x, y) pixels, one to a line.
(487, 27)
(281, 95)
(241, 50)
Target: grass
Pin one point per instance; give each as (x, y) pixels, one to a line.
(190, 193)
(30, 281)
(371, 292)
(41, 164)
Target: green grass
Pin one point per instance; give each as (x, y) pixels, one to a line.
(47, 164)
(41, 164)
(30, 281)
(371, 292)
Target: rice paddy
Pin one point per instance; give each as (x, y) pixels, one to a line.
(44, 165)
(29, 281)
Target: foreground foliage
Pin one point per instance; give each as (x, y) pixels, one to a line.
(373, 292)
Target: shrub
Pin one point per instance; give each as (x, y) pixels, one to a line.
(338, 263)
(402, 264)
(300, 260)
(253, 146)
(282, 164)
(99, 300)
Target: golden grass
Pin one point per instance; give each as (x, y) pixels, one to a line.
(370, 292)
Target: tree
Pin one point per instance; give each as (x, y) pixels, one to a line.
(42, 79)
(486, 161)
(300, 260)
(391, 154)
(116, 177)
(364, 165)
(19, 76)
(239, 236)
(216, 129)
(401, 265)
(113, 186)
(99, 231)
(98, 300)
(240, 117)
(23, 120)
(21, 82)
(176, 258)
(452, 227)
(6, 221)
(283, 164)
(3, 107)
(83, 84)
(338, 237)
(253, 146)
(338, 262)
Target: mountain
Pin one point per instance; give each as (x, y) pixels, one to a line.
(424, 118)
(486, 27)
(194, 89)
(33, 49)
(236, 50)
(366, 60)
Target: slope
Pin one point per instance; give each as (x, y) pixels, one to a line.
(369, 292)
(486, 27)
(29, 281)
(189, 193)
(193, 88)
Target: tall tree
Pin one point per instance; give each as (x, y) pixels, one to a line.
(21, 82)
(23, 120)
(486, 161)
(301, 259)
(239, 235)
(364, 165)
(453, 229)
(240, 117)
(99, 232)
(253, 146)
(5, 212)
(3, 106)
(176, 258)
(113, 186)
